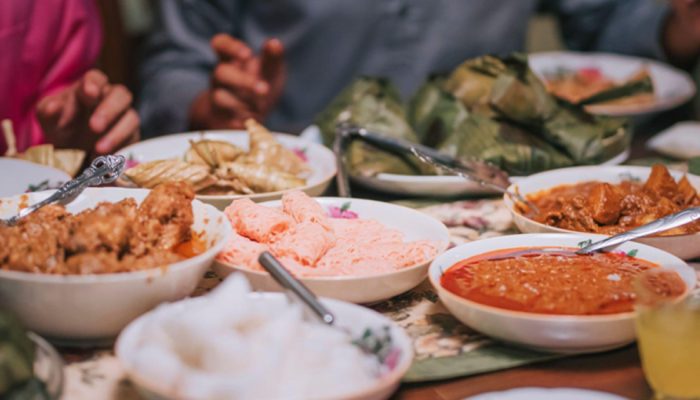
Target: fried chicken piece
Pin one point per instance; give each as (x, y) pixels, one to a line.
(164, 218)
(154, 259)
(93, 263)
(105, 227)
(686, 190)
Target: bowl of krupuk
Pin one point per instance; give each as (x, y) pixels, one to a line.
(354, 250)
(230, 164)
(532, 290)
(80, 271)
(610, 200)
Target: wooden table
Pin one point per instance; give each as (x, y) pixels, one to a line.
(618, 372)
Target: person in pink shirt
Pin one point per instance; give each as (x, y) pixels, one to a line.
(47, 87)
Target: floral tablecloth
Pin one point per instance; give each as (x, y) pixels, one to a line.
(444, 347)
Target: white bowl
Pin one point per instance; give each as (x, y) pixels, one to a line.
(535, 393)
(320, 159)
(685, 247)
(19, 176)
(368, 289)
(354, 318)
(440, 186)
(551, 333)
(672, 87)
(88, 309)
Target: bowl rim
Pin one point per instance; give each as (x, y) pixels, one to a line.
(328, 173)
(443, 247)
(622, 168)
(57, 362)
(126, 276)
(555, 318)
(382, 383)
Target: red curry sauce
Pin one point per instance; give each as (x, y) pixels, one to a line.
(555, 281)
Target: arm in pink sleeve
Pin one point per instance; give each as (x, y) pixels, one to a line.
(73, 47)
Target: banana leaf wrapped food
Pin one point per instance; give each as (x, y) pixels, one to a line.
(372, 103)
(259, 178)
(212, 152)
(586, 138)
(434, 112)
(505, 145)
(152, 173)
(473, 80)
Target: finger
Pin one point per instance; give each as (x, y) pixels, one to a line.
(231, 50)
(115, 102)
(49, 109)
(244, 85)
(91, 87)
(272, 64)
(225, 100)
(125, 130)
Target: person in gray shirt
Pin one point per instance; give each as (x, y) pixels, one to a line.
(211, 64)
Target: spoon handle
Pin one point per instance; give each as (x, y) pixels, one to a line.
(660, 225)
(294, 288)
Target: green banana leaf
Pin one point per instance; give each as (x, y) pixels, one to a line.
(640, 84)
(374, 104)
(473, 80)
(587, 139)
(434, 112)
(503, 144)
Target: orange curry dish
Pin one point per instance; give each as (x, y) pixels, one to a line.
(609, 209)
(556, 281)
(110, 238)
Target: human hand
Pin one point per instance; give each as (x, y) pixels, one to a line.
(90, 115)
(681, 37)
(243, 86)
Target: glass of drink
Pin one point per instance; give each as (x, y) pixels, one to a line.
(668, 335)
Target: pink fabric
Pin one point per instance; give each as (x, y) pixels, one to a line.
(45, 45)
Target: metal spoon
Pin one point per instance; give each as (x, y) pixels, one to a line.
(294, 289)
(105, 169)
(479, 171)
(676, 220)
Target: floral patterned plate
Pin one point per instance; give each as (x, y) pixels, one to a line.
(19, 176)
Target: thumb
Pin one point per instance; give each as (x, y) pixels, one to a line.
(273, 67)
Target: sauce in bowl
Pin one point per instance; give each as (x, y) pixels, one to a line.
(554, 280)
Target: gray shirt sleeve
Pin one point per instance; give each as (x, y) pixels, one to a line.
(177, 60)
(630, 27)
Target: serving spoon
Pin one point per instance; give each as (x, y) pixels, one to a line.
(475, 170)
(104, 169)
(675, 220)
(294, 289)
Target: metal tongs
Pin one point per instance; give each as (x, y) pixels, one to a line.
(668, 222)
(105, 169)
(479, 171)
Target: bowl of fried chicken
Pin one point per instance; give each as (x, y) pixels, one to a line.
(78, 272)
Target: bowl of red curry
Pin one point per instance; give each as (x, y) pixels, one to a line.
(534, 291)
(608, 200)
(78, 272)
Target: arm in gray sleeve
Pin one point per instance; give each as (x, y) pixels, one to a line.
(630, 27)
(177, 60)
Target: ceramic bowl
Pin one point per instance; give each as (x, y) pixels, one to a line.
(320, 159)
(349, 316)
(19, 176)
(685, 247)
(549, 333)
(368, 289)
(535, 393)
(92, 309)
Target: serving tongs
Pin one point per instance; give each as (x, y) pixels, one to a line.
(104, 169)
(681, 218)
(295, 290)
(479, 171)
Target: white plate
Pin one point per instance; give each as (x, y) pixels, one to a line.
(88, 309)
(440, 186)
(547, 394)
(685, 247)
(542, 332)
(681, 141)
(320, 159)
(355, 318)
(672, 87)
(365, 289)
(18, 176)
